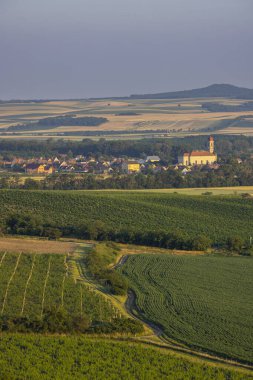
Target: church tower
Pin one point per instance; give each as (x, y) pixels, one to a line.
(211, 144)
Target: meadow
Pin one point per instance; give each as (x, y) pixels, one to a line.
(60, 357)
(216, 217)
(32, 283)
(127, 118)
(201, 301)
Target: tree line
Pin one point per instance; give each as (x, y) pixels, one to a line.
(54, 122)
(19, 224)
(168, 150)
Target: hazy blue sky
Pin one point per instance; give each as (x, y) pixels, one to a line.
(86, 48)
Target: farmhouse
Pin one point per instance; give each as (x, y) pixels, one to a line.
(199, 157)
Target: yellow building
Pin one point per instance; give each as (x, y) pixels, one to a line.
(131, 166)
(199, 157)
(39, 169)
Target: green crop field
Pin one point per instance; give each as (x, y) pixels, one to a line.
(32, 283)
(217, 217)
(39, 357)
(203, 301)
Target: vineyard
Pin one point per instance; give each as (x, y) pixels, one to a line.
(40, 357)
(204, 302)
(33, 283)
(216, 217)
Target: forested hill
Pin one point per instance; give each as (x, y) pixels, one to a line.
(213, 91)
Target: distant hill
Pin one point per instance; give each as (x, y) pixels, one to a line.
(213, 91)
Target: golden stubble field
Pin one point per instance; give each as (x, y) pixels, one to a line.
(26, 245)
(176, 117)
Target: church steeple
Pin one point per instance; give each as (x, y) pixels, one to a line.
(211, 144)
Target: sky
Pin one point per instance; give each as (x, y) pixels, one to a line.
(102, 48)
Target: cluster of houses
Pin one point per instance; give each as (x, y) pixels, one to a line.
(79, 164)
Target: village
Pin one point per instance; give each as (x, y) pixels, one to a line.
(100, 165)
(91, 165)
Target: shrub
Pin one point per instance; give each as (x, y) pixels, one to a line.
(201, 243)
(235, 243)
(117, 283)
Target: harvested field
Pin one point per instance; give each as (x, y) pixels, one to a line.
(35, 246)
(175, 117)
(128, 249)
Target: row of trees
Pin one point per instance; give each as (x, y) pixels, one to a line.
(178, 239)
(53, 122)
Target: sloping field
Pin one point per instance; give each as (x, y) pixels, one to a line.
(205, 302)
(32, 283)
(85, 358)
(217, 217)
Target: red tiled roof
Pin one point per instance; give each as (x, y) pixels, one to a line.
(202, 153)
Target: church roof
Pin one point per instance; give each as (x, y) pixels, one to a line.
(201, 153)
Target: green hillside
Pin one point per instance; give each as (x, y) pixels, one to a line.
(38, 357)
(216, 217)
(203, 301)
